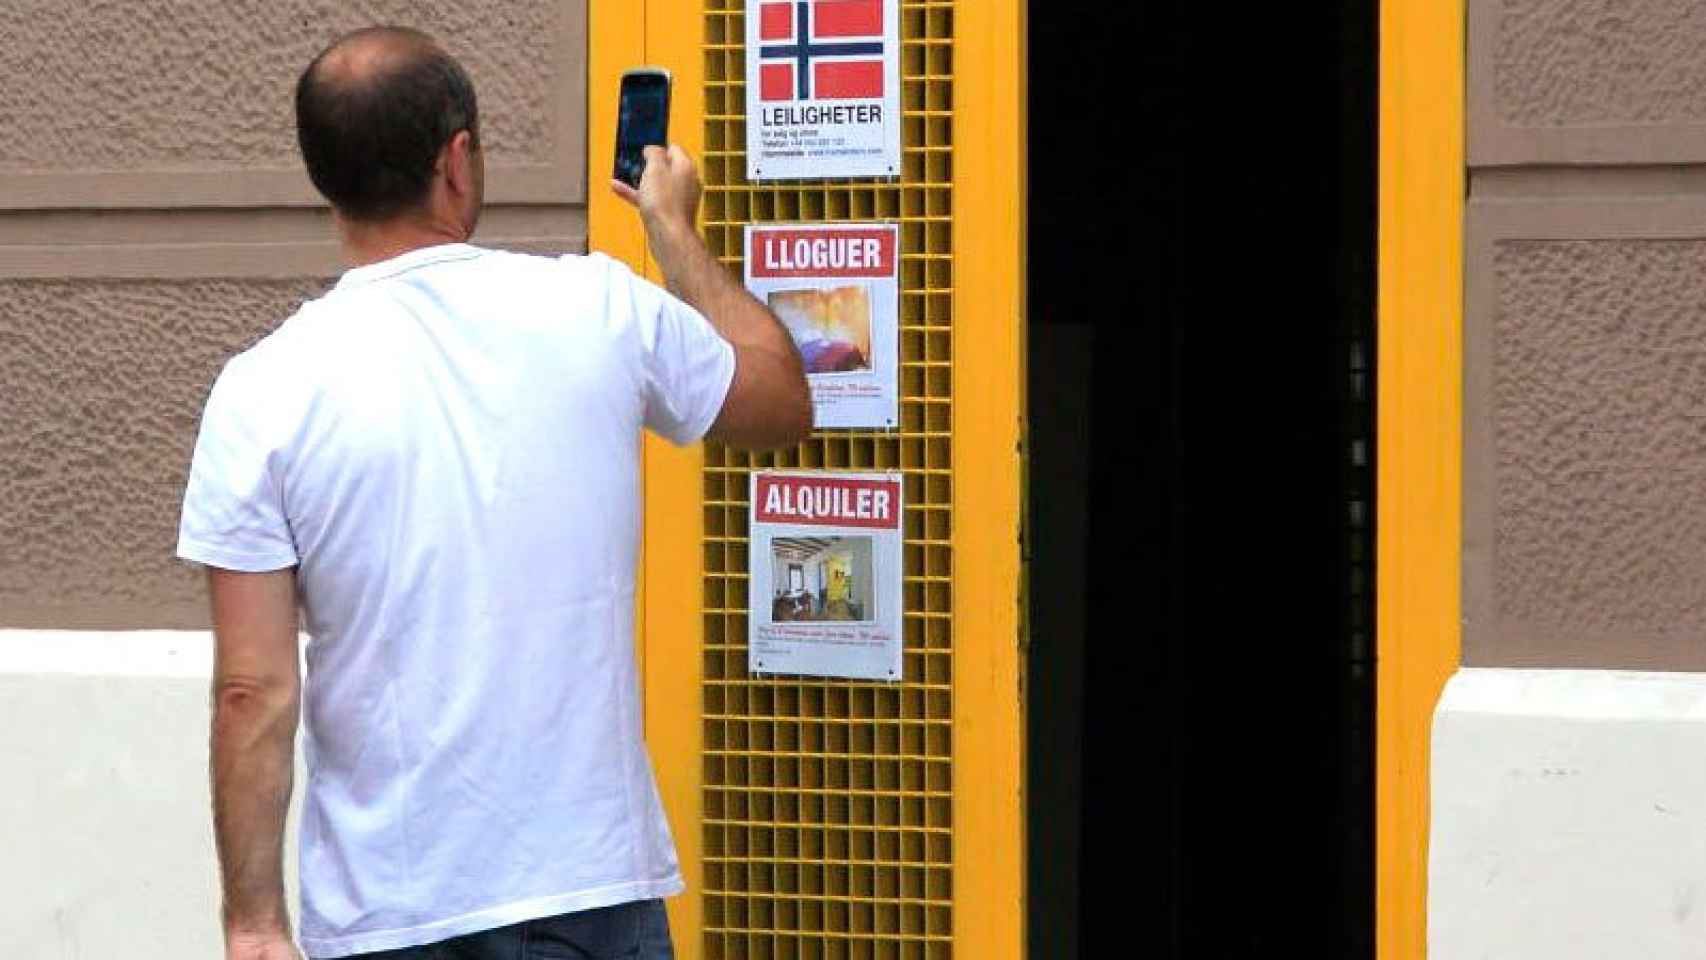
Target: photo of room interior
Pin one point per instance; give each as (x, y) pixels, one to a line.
(821, 579)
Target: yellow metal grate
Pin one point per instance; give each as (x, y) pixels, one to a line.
(828, 829)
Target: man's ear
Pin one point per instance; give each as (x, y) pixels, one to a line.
(458, 160)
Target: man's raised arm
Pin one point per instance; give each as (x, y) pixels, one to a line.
(769, 404)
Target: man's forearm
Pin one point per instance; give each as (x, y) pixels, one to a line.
(695, 276)
(252, 763)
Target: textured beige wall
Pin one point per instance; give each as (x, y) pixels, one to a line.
(154, 219)
(1599, 401)
(1585, 340)
(1594, 384)
(104, 383)
(1587, 61)
(150, 85)
(1586, 81)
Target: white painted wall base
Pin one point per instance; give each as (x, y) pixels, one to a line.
(1569, 816)
(106, 841)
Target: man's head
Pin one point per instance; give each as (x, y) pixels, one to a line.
(389, 129)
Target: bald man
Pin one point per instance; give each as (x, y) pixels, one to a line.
(436, 463)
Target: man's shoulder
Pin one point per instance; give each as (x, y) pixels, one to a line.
(258, 356)
(272, 362)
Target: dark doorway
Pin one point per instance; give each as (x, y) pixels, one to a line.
(1201, 305)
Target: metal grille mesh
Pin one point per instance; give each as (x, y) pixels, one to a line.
(828, 827)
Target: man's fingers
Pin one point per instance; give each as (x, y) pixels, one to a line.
(657, 162)
(626, 192)
(682, 162)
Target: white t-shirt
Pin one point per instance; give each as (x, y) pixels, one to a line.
(447, 447)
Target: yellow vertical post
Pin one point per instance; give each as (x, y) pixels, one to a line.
(1419, 497)
(623, 34)
(615, 41)
(675, 530)
(989, 318)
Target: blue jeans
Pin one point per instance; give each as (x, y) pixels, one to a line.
(627, 931)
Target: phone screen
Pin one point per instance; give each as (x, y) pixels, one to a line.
(643, 121)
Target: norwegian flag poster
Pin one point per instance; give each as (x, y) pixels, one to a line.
(822, 89)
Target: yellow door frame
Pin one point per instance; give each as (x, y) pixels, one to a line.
(989, 309)
(988, 130)
(1419, 469)
(1422, 169)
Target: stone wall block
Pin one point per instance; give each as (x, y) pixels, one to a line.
(105, 381)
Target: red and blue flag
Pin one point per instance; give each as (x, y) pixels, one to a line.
(825, 49)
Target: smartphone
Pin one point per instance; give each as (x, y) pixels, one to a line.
(642, 120)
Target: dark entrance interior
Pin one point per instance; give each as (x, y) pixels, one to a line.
(1201, 344)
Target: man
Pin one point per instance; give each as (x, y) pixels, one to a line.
(438, 462)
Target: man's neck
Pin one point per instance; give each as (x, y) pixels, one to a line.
(368, 243)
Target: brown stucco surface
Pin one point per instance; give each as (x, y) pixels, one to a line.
(1585, 428)
(1599, 395)
(154, 219)
(104, 385)
(146, 85)
(1584, 81)
(1567, 62)
(1584, 510)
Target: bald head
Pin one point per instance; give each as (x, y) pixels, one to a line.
(373, 112)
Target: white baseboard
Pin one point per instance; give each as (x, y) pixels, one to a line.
(106, 838)
(1569, 816)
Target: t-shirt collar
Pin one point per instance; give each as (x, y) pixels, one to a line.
(404, 262)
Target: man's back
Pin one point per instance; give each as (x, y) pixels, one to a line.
(446, 446)
(437, 466)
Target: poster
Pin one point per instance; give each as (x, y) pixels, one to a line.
(822, 89)
(837, 289)
(826, 575)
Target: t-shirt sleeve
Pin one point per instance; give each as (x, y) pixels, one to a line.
(688, 367)
(234, 514)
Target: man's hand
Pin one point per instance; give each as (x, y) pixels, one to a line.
(260, 947)
(668, 201)
(668, 197)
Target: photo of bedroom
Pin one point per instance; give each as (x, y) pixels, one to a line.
(831, 326)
